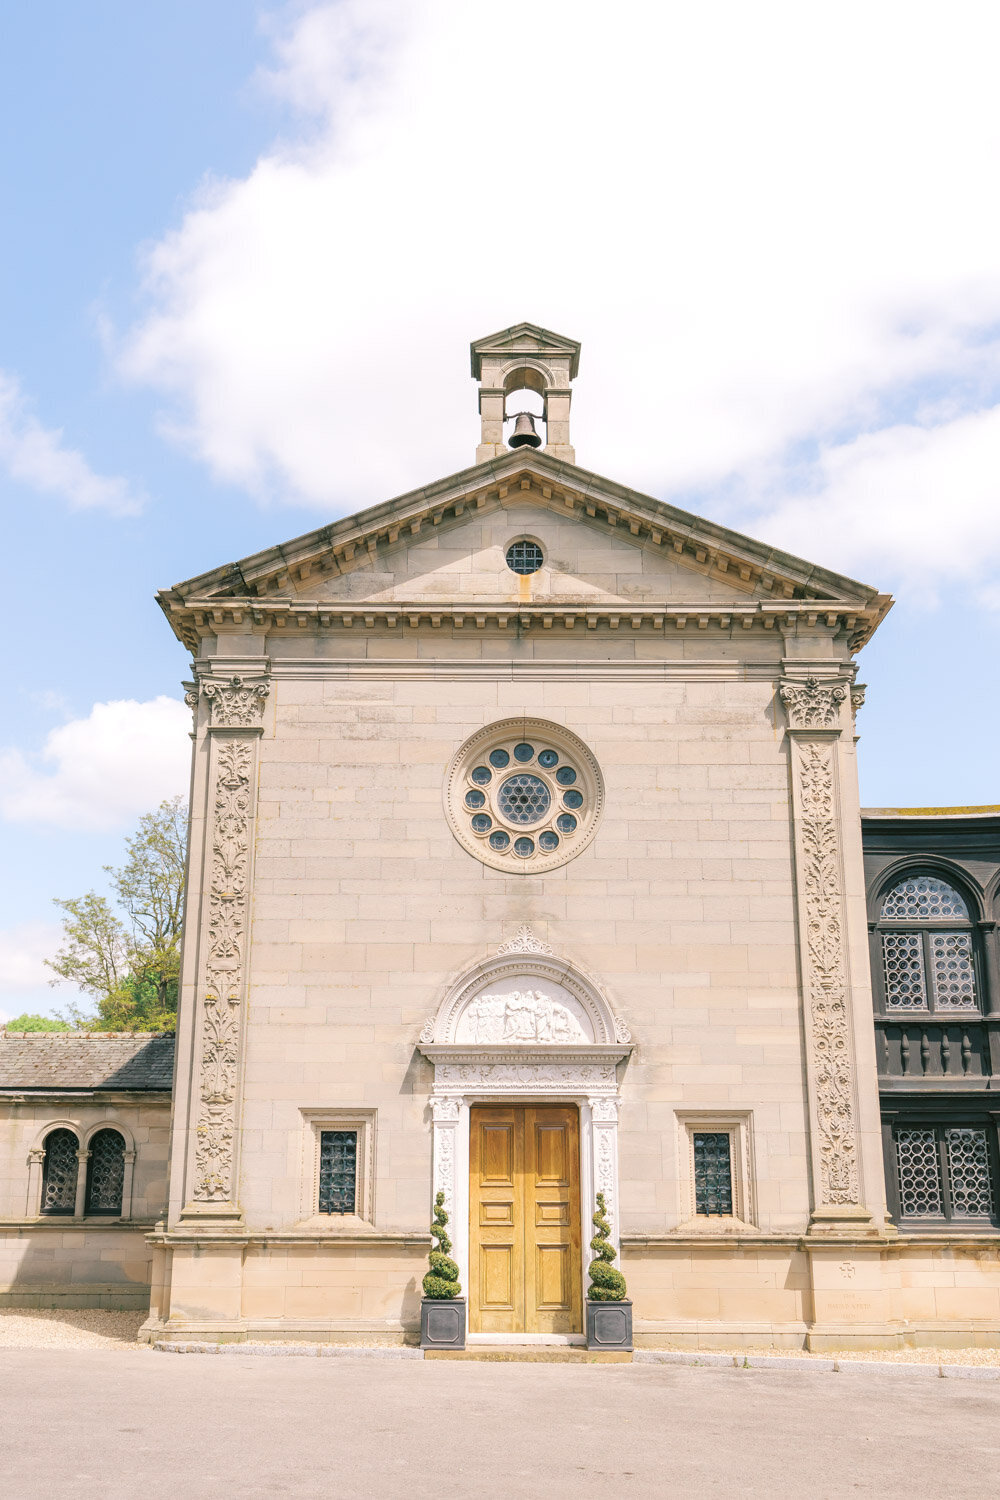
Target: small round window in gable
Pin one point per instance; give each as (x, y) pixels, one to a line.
(524, 557)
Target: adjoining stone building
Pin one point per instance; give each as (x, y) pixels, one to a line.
(526, 863)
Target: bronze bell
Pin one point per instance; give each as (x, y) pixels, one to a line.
(524, 434)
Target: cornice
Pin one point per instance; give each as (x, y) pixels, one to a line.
(194, 618)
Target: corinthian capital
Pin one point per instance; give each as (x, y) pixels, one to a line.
(237, 702)
(812, 703)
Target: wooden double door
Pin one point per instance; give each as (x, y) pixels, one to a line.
(524, 1240)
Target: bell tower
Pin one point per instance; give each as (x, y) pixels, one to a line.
(525, 357)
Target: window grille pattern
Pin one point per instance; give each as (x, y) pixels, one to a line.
(920, 897)
(338, 1171)
(945, 1172)
(970, 1173)
(105, 1173)
(501, 787)
(919, 1167)
(713, 1172)
(524, 557)
(524, 799)
(903, 965)
(59, 1172)
(952, 971)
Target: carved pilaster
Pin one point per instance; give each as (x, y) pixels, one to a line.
(604, 1123)
(814, 708)
(236, 709)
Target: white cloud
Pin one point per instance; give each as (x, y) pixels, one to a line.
(770, 225)
(103, 771)
(37, 457)
(23, 951)
(904, 498)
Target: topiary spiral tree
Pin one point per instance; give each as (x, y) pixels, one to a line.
(442, 1279)
(606, 1284)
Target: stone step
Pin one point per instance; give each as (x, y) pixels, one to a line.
(535, 1354)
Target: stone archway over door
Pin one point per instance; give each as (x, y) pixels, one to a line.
(562, 1046)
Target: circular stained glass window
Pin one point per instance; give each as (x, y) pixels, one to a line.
(523, 799)
(523, 775)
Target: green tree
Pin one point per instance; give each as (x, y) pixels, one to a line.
(29, 1022)
(125, 953)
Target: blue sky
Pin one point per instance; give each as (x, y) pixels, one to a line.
(245, 249)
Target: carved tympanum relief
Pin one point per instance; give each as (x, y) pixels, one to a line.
(523, 1016)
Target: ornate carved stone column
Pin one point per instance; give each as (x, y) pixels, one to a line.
(604, 1123)
(236, 705)
(816, 710)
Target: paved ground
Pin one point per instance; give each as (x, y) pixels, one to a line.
(121, 1424)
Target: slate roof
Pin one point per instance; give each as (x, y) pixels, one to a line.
(61, 1060)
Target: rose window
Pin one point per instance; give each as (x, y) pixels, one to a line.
(524, 796)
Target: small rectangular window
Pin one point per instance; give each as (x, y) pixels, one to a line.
(338, 1171)
(713, 1172)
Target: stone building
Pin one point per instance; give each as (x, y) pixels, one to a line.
(84, 1127)
(526, 863)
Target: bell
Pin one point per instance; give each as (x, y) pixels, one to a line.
(524, 434)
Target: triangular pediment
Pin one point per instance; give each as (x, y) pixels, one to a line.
(524, 339)
(606, 547)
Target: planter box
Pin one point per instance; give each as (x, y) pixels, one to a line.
(442, 1323)
(609, 1325)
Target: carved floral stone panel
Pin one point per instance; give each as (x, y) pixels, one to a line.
(825, 972)
(228, 898)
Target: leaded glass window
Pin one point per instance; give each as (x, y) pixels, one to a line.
(105, 1173)
(59, 1172)
(927, 947)
(945, 1172)
(713, 1172)
(338, 1171)
(524, 795)
(918, 897)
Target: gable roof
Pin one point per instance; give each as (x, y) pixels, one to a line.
(81, 1060)
(793, 584)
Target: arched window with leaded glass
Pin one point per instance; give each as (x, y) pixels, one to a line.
(926, 945)
(105, 1173)
(59, 1172)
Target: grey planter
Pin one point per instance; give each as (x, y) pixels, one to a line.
(609, 1325)
(442, 1323)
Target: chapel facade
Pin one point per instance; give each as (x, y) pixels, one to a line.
(525, 864)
